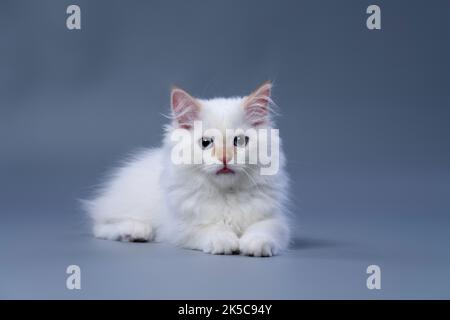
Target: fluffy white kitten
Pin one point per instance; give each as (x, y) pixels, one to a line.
(219, 208)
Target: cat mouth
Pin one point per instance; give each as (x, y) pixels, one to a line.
(225, 170)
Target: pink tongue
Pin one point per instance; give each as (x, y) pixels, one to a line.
(225, 170)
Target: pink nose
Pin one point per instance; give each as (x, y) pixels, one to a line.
(224, 155)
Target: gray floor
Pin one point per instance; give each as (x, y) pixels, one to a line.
(336, 239)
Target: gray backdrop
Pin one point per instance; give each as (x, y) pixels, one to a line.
(364, 118)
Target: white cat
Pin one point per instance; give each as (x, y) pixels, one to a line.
(218, 206)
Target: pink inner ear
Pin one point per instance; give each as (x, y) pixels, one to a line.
(184, 107)
(257, 105)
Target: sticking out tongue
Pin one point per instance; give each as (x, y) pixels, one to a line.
(225, 170)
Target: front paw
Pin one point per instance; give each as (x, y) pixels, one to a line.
(222, 243)
(257, 245)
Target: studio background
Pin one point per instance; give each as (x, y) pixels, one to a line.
(364, 122)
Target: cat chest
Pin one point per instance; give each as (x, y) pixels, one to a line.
(235, 211)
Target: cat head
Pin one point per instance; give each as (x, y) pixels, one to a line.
(222, 137)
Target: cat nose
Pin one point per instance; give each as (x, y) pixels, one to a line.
(228, 155)
(225, 155)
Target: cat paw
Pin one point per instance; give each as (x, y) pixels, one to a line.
(222, 243)
(126, 231)
(257, 246)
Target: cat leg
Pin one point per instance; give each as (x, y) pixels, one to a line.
(264, 238)
(127, 230)
(214, 239)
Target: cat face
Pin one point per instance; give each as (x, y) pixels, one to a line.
(223, 135)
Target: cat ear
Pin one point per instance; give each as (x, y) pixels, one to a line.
(256, 105)
(185, 108)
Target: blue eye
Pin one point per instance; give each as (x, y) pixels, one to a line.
(206, 143)
(240, 141)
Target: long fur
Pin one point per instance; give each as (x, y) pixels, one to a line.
(150, 198)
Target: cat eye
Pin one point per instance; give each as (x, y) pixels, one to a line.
(240, 141)
(206, 143)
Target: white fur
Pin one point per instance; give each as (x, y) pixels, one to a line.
(150, 198)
